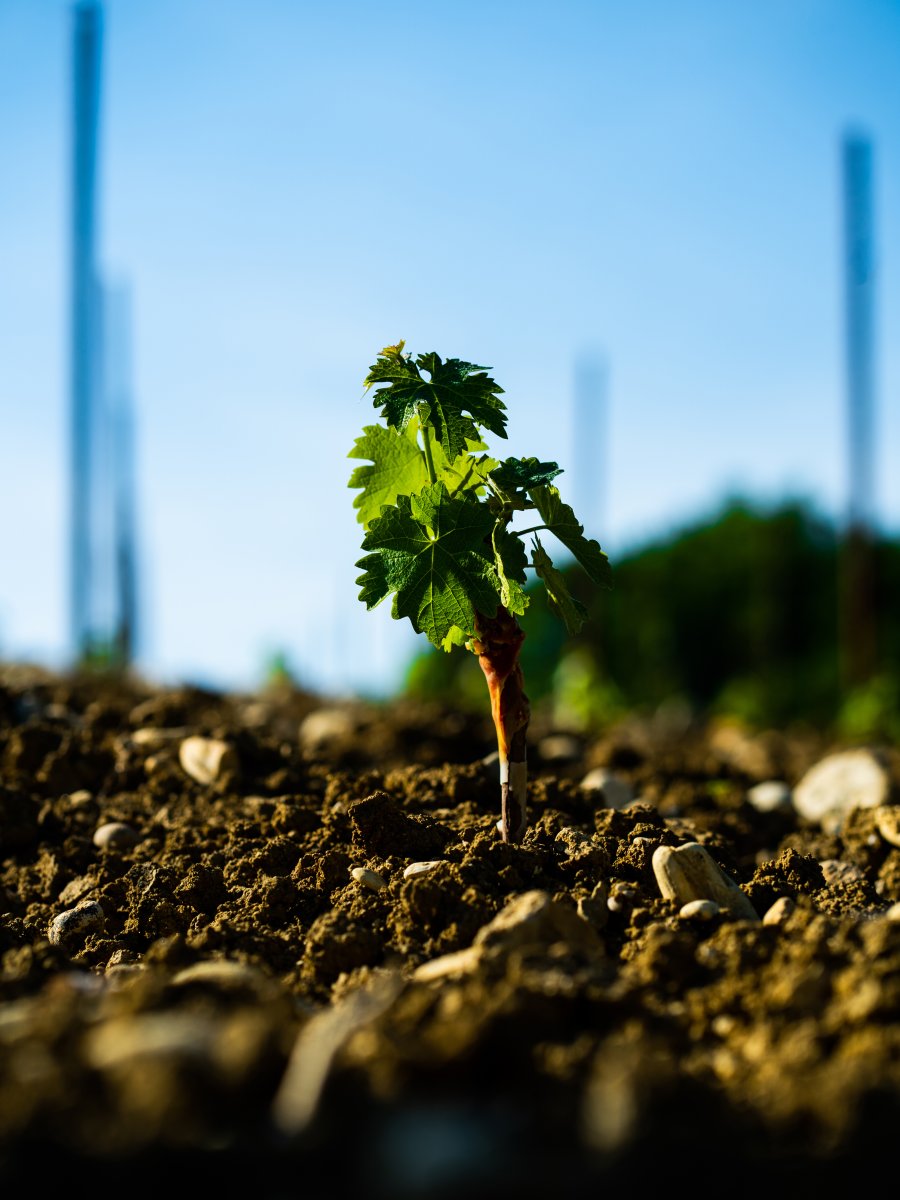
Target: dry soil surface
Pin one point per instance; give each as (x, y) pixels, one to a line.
(261, 943)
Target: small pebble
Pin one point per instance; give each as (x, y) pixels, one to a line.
(893, 913)
(369, 879)
(838, 784)
(80, 798)
(689, 872)
(836, 871)
(704, 909)
(206, 759)
(772, 796)
(616, 792)
(623, 898)
(84, 918)
(116, 835)
(420, 868)
(779, 911)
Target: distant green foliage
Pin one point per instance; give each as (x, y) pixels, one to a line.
(737, 614)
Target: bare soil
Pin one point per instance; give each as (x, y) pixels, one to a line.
(211, 999)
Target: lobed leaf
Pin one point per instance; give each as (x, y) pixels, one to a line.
(432, 551)
(456, 397)
(514, 474)
(510, 559)
(560, 599)
(561, 521)
(397, 469)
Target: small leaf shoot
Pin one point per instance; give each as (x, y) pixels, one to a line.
(437, 512)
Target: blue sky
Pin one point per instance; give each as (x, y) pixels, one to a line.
(288, 187)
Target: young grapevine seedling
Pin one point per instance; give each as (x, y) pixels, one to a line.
(438, 513)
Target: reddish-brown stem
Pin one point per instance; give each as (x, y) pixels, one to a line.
(499, 639)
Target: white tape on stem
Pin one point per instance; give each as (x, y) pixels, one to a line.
(514, 773)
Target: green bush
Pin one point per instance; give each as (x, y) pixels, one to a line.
(736, 615)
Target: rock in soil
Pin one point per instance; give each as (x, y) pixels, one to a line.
(297, 964)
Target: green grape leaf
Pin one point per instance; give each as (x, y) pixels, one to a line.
(432, 551)
(403, 393)
(562, 523)
(515, 473)
(560, 599)
(466, 473)
(467, 388)
(455, 637)
(510, 560)
(397, 468)
(455, 398)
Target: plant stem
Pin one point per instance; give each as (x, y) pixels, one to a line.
(533, 529)
(497, 645)
(429, 461)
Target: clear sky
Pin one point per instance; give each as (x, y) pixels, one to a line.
(289, 186)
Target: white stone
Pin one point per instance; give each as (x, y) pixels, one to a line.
(704, 909)
(691, 873)
(116, 835)
(80, 798)
(772, 796)
(838, 784)
(420, 868)
(779, 911)
(836, 871)
(206, 759)
(369, 879)
(617, 792)
(86, 917)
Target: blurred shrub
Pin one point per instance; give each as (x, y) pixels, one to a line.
(871, 712)
(735, 615)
